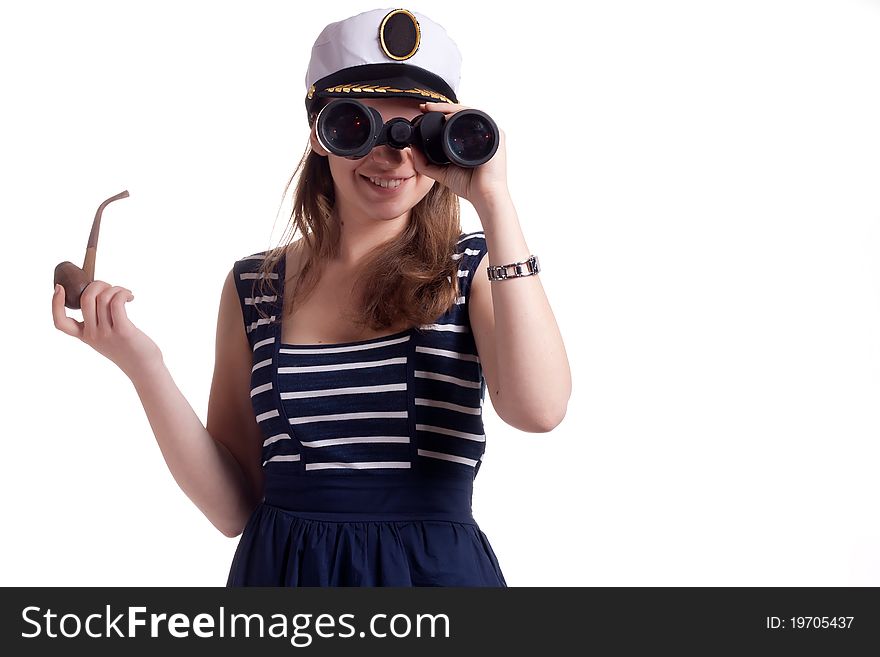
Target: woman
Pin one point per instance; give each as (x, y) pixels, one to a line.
(344, 424)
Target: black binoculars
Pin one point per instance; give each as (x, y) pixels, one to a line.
(348, 128)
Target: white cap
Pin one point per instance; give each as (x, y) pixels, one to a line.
(383, 52)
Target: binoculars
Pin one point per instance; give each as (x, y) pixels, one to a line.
(348, 128)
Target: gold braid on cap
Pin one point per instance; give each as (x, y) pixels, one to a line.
(374, 88)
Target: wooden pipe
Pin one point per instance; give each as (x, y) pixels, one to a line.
(73, 279)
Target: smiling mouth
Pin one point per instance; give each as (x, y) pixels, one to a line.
(385, 183)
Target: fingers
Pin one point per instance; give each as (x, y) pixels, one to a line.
(424, 167)
(105, 299)
(445, 108)
(118, 316)
(62, 322)
(96, 311)
(88, 306)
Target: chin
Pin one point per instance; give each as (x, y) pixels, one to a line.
(392, 208)
(392, 213)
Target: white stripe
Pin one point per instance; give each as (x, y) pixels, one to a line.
(447, 457)
(263, 343)
(448, 353)
(358, 466)
(336, 417)
(275, 439)
(283, 457)
(356, 440)
(249, 275)
(260, 322)
(262, 363)
(267, 415)
(448, 379)
(459, 301)
(456, 328)
(340, 350)
(463, 272)
(452, 407)
(355, 390)
(470, 252)
(470, 237)
(341, 366)
(452, 432)
(248, 301)
(262, 388)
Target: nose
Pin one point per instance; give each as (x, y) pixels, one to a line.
(388, 155)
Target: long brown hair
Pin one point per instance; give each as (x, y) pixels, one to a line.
(409, 280)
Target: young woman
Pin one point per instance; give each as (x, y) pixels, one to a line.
(344, 424)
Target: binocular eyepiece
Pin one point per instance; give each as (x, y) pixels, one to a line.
(348, 128)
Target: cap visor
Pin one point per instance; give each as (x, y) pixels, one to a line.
(399, 87)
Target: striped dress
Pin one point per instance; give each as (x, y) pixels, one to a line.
(370, 450)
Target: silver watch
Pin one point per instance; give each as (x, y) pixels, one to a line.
(528, 267)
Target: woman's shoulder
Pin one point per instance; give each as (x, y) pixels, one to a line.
(473, 235)
(470, 244)
(250, 269)
(253, 259)
(253, 262)
(277, 253)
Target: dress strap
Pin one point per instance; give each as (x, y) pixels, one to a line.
(469, 251)
(257, 311)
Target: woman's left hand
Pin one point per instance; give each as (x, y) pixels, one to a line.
(476, 184)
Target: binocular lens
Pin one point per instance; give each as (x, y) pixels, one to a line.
(346, 126)
(470, 138)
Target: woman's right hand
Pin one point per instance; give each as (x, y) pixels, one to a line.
(106, 327)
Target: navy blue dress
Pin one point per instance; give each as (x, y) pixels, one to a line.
(370, 451)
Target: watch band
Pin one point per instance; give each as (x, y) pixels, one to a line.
(528, 267)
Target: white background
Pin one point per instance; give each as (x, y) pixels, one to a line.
(699, 180)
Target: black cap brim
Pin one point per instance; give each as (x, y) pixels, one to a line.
(378, 81)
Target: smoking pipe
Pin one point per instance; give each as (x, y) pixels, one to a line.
(73, 279)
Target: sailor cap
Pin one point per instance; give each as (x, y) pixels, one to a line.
(381, 53)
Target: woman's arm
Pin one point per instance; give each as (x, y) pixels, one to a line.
(520, 345)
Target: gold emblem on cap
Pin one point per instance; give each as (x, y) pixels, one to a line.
(384, 45)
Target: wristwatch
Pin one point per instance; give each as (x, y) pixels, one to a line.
(528, 267)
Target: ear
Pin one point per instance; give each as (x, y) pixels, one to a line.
(316, 146)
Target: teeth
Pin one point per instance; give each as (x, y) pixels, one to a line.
(392, 184)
